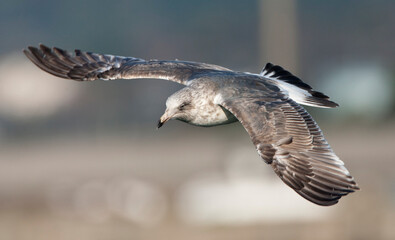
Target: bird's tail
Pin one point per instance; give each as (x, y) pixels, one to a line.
(299, 91)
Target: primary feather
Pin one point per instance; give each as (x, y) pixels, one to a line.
(284, 134)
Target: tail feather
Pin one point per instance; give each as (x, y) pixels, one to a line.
(298, 90)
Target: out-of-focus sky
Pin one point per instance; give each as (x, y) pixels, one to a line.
(84, 160)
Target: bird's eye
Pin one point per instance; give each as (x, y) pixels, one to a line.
(182, 106)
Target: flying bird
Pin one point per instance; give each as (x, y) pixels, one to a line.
(266, 104)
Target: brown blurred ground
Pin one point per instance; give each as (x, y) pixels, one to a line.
(32, 171)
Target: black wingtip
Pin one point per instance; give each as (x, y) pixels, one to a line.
(29, 53)
(44, 48)
(25, 51)
(330, 104)
(30, 49)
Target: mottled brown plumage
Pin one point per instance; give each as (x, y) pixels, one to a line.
(266, 104)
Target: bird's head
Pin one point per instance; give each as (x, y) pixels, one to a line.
(178, 106)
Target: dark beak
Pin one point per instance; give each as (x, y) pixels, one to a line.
(160, 124)
(163, 119)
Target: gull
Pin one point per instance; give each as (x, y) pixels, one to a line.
(286, 137)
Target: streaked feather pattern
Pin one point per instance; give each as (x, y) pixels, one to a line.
(87, 66)
(285, 135)
(288, 139)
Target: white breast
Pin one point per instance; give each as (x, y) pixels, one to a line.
(210, 114)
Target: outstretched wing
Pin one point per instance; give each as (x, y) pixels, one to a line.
(288, 139)
(86, 66)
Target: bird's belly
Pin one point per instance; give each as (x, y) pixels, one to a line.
(212, 115)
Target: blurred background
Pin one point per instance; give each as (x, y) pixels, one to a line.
(85, 161)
